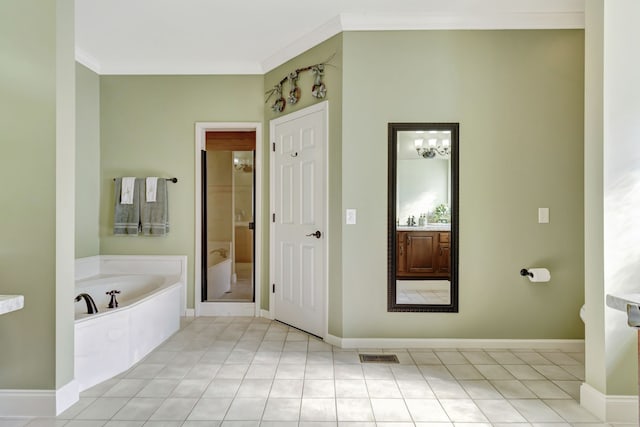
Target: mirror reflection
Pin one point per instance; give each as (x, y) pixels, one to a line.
(423, 162)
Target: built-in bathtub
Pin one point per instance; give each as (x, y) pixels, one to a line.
(219, 269)
(150, 303)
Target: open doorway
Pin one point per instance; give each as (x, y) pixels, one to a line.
(228, 220)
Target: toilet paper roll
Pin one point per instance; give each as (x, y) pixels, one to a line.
(539, 275)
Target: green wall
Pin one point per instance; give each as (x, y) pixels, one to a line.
(332, 79)
(36, 167)
(87, 162)
(518, 96)
(148, 129)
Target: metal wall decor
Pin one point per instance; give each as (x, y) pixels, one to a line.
(318, 90)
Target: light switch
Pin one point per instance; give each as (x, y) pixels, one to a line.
(351, 216)
(543, 215)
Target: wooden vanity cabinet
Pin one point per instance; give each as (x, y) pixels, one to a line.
(422, 254)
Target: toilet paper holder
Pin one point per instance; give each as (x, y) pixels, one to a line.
(536, 274)
(524, 272)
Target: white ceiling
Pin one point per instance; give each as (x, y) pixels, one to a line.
(255, 36)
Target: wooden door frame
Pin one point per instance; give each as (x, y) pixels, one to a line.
(324, 107)
(228, 308)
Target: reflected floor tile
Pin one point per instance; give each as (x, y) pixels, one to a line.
(480, 389)
(426, 410)
(524, 372)
(286, 388)
(535, 410)
(190, 388)
(351, 388)
(254, 388)
(570, 410)
(390, 410)
(500, 411)
(416, 389)
(318, 410)
(174, 409)
(447, 389)
(462, 410)
(247, 409)
(383, 389)
(513, 389)
(282, 409)
(103, 408)
(210, 409)
(138, 408)
(478, 357)
(465, 372)
(222, 388)
(158, 388)
(494, 372)
(318, 388)
(546, 389)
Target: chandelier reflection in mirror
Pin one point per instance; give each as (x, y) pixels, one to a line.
(433, 146)
(242, 165)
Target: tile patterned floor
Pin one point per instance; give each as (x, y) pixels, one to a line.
(251, 372)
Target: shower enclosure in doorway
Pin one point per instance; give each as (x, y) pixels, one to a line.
(228, 182)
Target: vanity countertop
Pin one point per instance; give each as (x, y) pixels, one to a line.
(620, 301)
(428, 227)
(9, 303)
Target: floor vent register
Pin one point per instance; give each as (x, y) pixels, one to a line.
(379, 358)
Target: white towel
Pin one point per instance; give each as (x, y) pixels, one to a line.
(151, 188)
(126, 196)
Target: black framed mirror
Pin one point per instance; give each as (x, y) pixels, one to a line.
(423, 217)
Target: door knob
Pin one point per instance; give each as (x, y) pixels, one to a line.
(317, 234)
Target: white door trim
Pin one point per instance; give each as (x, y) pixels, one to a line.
(322, 106)
(214, 308)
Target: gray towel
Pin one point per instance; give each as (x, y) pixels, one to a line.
(154, 216)
(126, 218)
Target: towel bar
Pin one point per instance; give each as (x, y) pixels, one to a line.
(174, 180)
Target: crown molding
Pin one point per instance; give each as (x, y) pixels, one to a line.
(488, 21)
(306, 42)
(565, 19)
(87, 60)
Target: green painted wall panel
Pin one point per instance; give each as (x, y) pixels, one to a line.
(28, 193)
(148, 129)
(518, 96)
(332, 48)
(87, 162)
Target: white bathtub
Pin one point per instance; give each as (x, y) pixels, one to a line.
(150, 304)
(219, 269)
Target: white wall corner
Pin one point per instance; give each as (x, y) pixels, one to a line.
(190, 312)
(611, 409)
(266, 314)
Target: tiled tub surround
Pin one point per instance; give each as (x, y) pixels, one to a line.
(150, 305)
(223, 371)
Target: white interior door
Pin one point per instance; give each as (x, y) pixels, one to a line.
(299, 238)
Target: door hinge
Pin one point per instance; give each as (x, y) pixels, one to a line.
(273, 145)
(273, 288)
(273, 217)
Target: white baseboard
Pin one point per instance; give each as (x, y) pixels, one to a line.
(190, 312)
(566, 345)
(66, 396)
(38, 403)
(266, 314)
(611, 409)
(227, 309)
